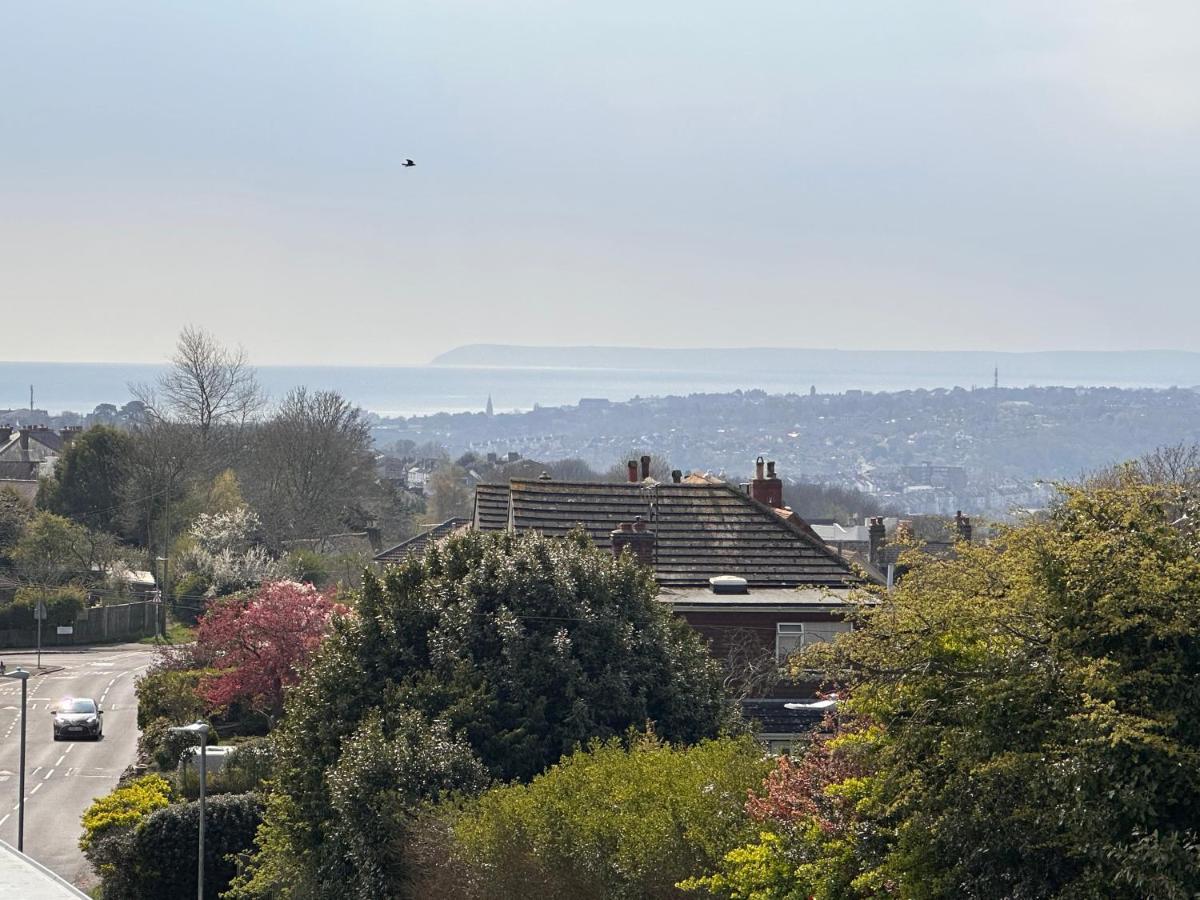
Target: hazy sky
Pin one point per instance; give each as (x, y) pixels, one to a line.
(837, 174)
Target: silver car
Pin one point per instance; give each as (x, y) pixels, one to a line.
(78, 717)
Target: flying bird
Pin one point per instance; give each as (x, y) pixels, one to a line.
(407, 163)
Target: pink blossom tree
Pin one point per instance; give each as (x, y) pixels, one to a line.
(259, 642)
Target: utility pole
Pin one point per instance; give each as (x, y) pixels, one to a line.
(24, 676)
(39, 613)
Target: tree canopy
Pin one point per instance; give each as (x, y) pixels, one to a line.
(1039, 721)
(89, 478)
(520, 648)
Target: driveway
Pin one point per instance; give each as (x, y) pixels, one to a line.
(63, 777)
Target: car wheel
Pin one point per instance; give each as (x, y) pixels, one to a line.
(57, 738)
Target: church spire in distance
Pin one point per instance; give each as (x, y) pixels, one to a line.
(488, 409)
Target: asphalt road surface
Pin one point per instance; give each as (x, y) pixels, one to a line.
(63, 777)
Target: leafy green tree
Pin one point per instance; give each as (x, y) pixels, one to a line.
(89, 478)
(521, 647)
(613, 821)
(14, 516)
(1043, 725)
(52, 550)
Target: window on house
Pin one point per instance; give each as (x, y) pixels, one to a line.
(791, 636)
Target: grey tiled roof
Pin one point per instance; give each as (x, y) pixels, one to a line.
(20, 469)
(418, 542)
(701, 530)
(491, 507)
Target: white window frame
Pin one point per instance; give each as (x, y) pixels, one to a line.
(800, 630)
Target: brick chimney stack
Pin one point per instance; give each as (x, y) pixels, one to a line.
(875, 533)
(25, 431)
(962, 525)
(636, 538)
(633, 471)
(69, 433)
(766, 487)
(676, 476)
(645, 467)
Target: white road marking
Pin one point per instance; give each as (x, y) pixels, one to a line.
(68, 750)
(35, 771)
(35, 789)
(60, 759)
(48, 774)
(6, 815)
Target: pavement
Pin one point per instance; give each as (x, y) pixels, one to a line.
(63, 777)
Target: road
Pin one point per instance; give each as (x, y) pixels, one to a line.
(63, 777)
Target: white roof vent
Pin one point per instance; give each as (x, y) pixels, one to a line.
(728, 584)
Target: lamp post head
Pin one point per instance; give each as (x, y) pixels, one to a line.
(16, 673)
(194, 728)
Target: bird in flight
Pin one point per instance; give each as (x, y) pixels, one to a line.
(407, 163)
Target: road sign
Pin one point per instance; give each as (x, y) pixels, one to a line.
(66, 629)
(39, 611)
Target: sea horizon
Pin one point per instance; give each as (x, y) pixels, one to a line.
(414, 390)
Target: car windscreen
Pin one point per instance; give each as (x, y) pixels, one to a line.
(77, 706)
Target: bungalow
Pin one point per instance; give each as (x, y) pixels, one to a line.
(735, 563)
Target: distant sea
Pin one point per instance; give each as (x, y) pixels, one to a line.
(422, 390)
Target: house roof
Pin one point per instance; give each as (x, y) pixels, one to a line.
(418, 542)
(19, 469)
(491, 507)
(47, 437)
(702, 530)
(773, 716)
(704, 599)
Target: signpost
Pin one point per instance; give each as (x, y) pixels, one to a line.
(39, 613)
(66, 629)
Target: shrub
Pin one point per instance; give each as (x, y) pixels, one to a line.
(109, 821)
(170, 695)
(63, 604)
(124, 807)
(158, 858)
(609, 822)
(162, 748)
(245, 770)
(307, 566)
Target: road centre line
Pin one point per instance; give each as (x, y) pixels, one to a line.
(5, 819)
(35, 788)
(60, 759)
(48, 774)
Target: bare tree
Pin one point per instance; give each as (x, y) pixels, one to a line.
(751, 668)
(207, 386)
(311, 466)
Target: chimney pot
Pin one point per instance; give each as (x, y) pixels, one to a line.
(645, 467)
(768, 489)
(633, 471)
(876, 533)
(963, 525)
(676, 476)
(636, 538)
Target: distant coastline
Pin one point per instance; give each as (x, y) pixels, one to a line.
(518, 378)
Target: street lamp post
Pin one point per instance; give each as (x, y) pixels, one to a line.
(200, 728)
(24, 676)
